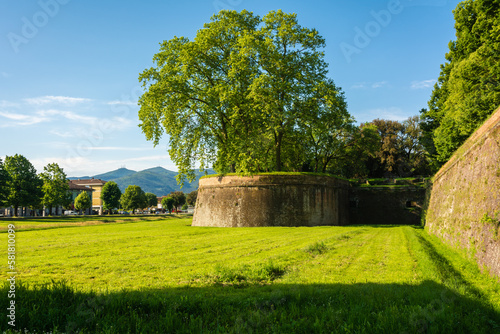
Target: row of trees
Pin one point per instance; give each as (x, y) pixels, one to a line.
(468, 87)
(21, 186)
(135, 198)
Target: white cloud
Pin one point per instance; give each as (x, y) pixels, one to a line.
(126, 103)
(20, 119)
(56, 99)
(68, 115)
(423, 84)
(390, 113)
(379, 84)
(8, 104)
(66, 134)
(374, 85)
(358, 85)
(117, 148)
(120, 123)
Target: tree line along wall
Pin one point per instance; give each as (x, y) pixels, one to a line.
(464, 205)
(271, 200)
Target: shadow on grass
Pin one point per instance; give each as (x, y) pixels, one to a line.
(277, 308)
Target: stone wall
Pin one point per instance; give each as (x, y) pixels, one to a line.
(271, 200)
(386, 205)
(464, 206)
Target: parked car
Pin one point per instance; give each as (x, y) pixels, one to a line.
(70, 213)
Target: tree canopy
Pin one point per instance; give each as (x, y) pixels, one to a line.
(468, 87)
(133, 198)
(110, 195)
(82, 201)
(400, 151)
(55, 186)
(4, 190)
(248, 94)
(167, 203)
(23, 184)
(191, 198)
(179, 198)
(151, 199)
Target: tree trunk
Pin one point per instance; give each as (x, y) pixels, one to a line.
(278, 139)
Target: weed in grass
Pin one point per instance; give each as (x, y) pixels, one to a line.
(245, 275)
(317, 248)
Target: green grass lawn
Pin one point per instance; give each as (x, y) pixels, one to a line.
(165, 276)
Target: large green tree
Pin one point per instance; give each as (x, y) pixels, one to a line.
(401, 152)
(168, 204)
(179, 198)
(111, 195)
(242, 95)
(468, 87)
(133, 198)
(55, 186)
(23, 184)
(83, 202)
(4, 190)
(151, 200)
(353, 149)
(191, 198)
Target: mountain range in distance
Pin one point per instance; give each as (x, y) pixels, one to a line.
(157, 180)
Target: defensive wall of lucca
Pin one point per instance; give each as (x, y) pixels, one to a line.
(302, 200)
(464, 205)
(271, 200)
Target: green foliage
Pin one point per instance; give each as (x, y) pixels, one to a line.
(4, 190)
(82, 201)
(246, 95)
(354, 151)
(191, 198)
(133, 198)
(468, 88)
(495, 223)
(168, 203)
(317, 248)
(179, 198)
(400, 152)
(151, 200)
(55, 186)
(110, 196)
(23, 184)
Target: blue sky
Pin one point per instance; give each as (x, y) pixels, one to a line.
(69, 69)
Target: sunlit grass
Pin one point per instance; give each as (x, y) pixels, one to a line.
(167, 276)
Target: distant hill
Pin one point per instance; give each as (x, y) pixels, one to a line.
(157, 180)
(116, 174)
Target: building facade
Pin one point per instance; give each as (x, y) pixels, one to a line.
(96, 185)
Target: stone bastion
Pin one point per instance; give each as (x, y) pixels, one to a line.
(271, 200)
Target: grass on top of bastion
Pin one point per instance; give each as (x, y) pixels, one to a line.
(165, 276)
